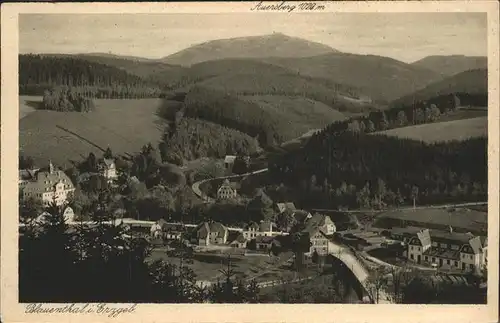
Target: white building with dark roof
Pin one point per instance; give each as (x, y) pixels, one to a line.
(285, 206)
(229, 162)
(448, 250)
(212, 233)
(107, 169)
(48, 186)
(226, 191)
(264, 229)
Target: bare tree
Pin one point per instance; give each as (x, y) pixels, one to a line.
(400, 277)
(375, 283)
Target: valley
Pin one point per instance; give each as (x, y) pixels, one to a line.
(253, 162)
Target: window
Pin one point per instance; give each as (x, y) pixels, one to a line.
(456, 263)
(433, 259)
(448, 261)
(455, 247)
(411, 256)
(426, 258)
(444, 245)
(434, 244)
(471, 266)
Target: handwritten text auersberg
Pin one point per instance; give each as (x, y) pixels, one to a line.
(288, 6)
(111, 310)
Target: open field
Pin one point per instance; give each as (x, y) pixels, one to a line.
(464, 113)
(28, 104)
(443, 131)
(206, 266)
(123, 125)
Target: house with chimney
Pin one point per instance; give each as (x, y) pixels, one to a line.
(264, 228)
(229, 162)
(448, 250)
(226, 191)
(212, 233)
(107, 169)
(319, 241)
(240, 242)
(49, 185)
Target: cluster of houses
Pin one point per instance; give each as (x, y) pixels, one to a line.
(47, 185)
(50, 184)
(447, 239)
(261, 236)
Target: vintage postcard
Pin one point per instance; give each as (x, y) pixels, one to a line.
(250, 162)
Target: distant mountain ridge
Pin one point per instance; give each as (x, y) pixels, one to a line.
(470, 83)
(452, 64)
(272, 45)
(381, 78)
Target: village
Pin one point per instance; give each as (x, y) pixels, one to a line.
(450, 242)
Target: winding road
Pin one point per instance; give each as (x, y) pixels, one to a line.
(207, 199)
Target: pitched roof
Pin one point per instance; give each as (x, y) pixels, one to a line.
(286, 206)
(301, 215)
(438, 252)
(229, 159)
(217, 227)
(252, 225)
(446, 236)
(107, 162)
(45, 181)
(27, 174)
(240, 238)
(476, 245)
(264, 239)
(265, 226)
(203, 230)
(424, 237)
(319, 219)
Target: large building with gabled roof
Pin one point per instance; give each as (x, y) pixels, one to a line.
(448, 250)
(51, 185)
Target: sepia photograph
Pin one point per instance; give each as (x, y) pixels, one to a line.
(261, 157)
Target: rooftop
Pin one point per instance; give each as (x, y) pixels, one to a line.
(285, 206)
(442, 253)
(229, 159)
(45, 181)
(264, 239)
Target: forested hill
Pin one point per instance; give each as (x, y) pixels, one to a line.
(380, 78)
(362, 171)
(276, 44)
(38, 73)
(452, 64)
(471, 87)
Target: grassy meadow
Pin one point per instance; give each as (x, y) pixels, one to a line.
(123, 125)
(443, 131)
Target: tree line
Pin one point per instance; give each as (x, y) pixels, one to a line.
(192, 138)
(419, 112)
(353, 170)
(38, 73)
(66, 99)
(231, 112)
(107, 263)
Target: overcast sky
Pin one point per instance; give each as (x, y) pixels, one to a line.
(407, 37)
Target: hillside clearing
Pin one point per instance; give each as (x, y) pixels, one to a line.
(123, 125)
(443, 131)
(303, 114)
(28, 104)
